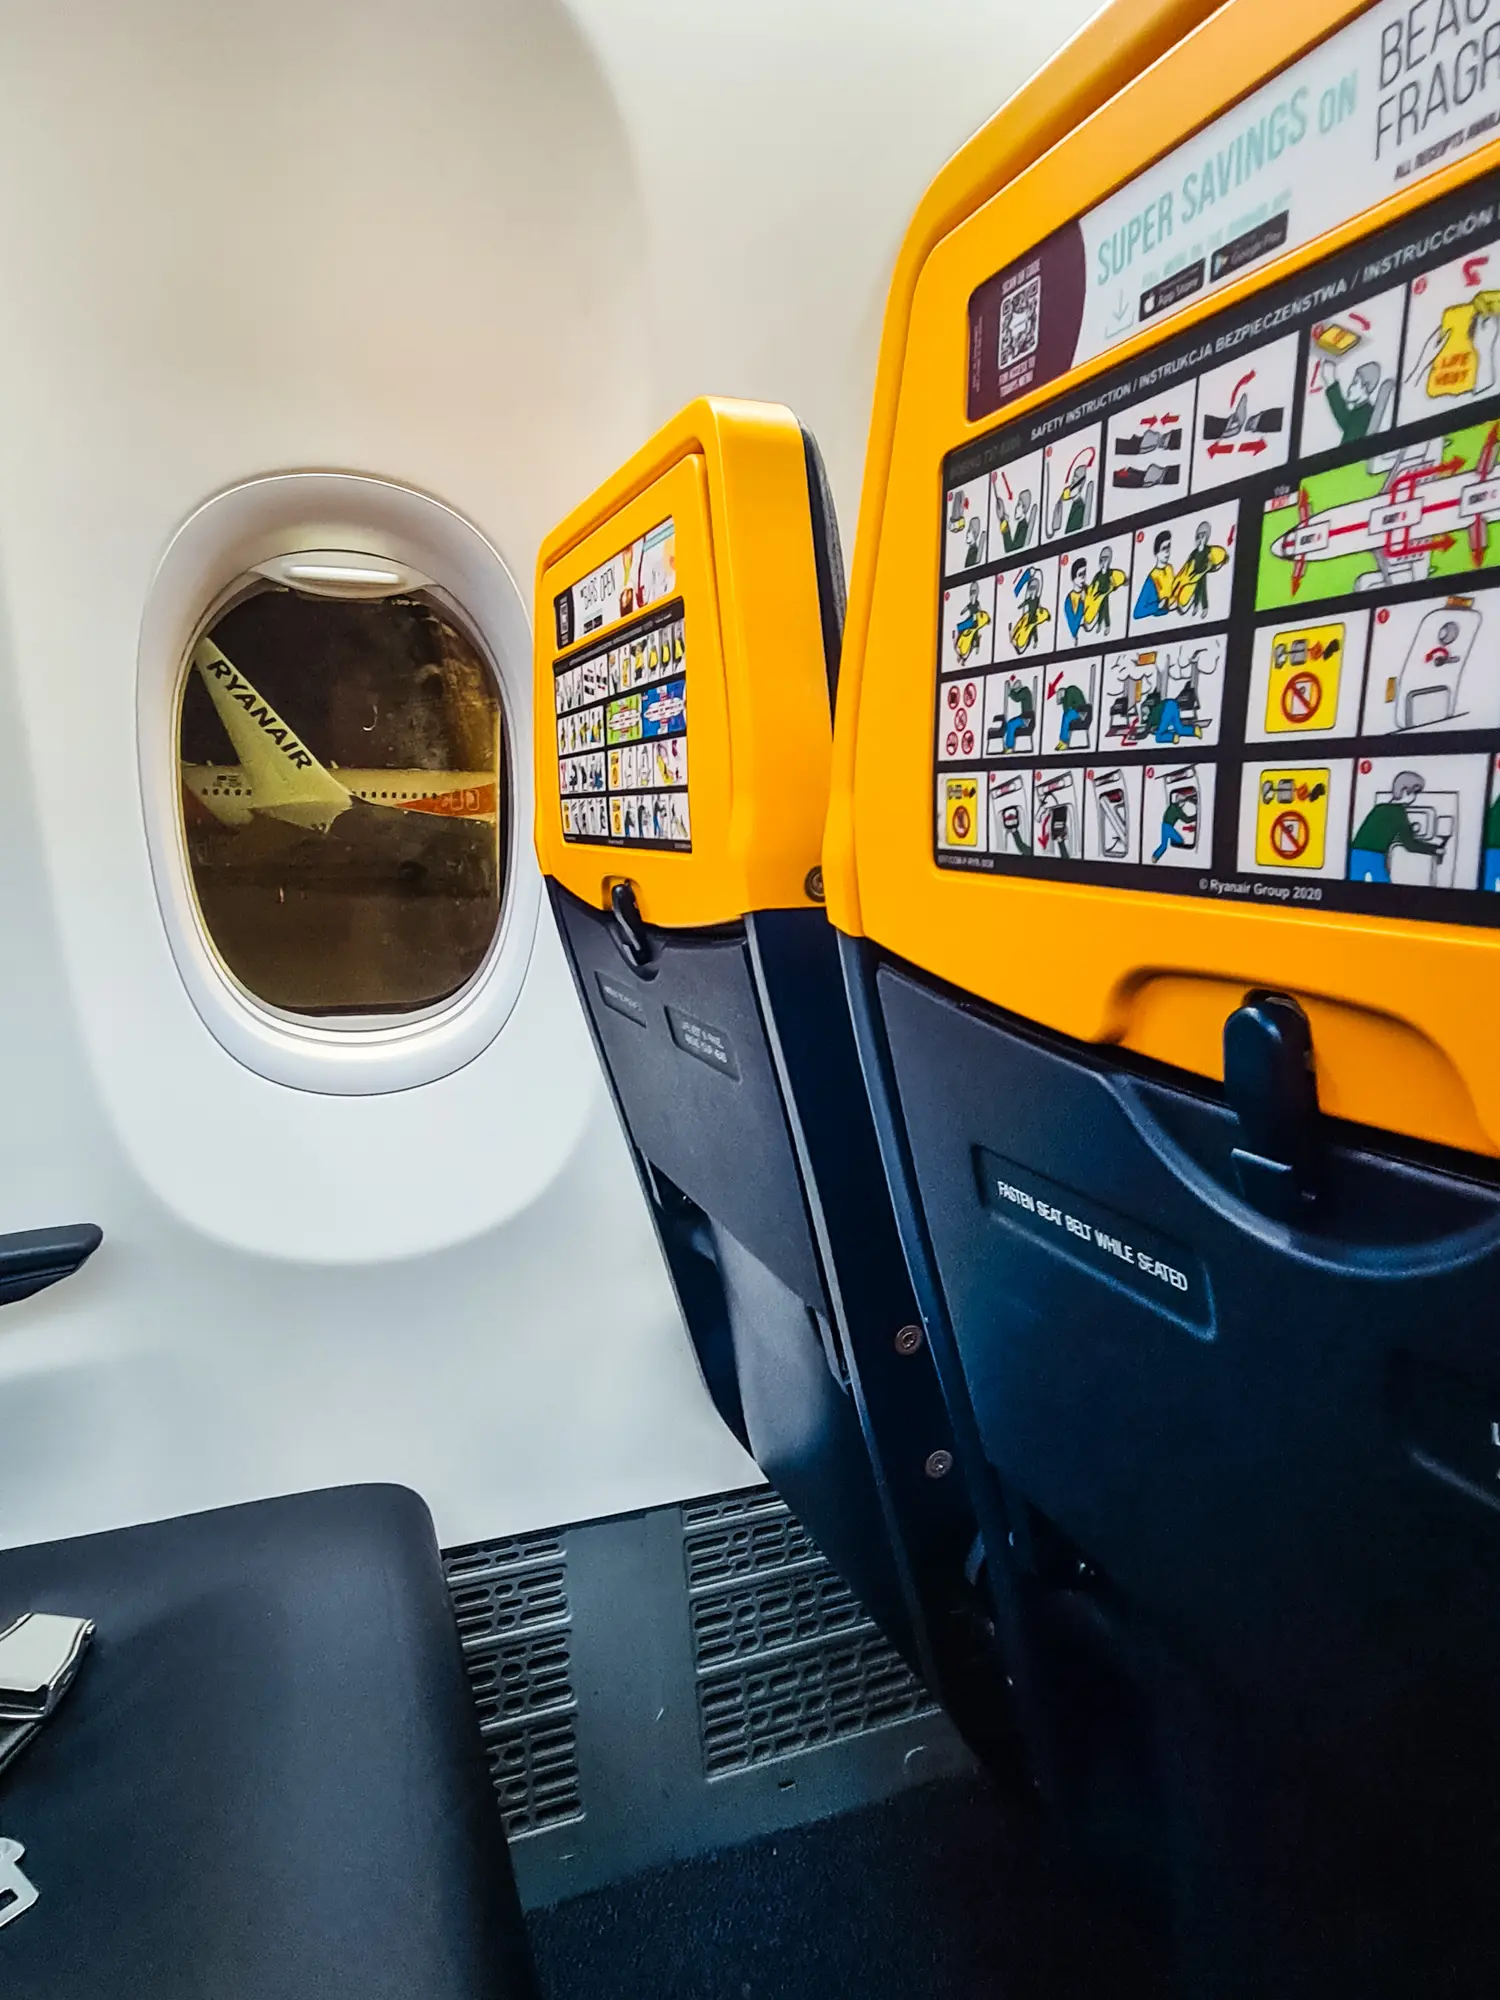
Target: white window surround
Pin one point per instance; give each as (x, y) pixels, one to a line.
(236, 533)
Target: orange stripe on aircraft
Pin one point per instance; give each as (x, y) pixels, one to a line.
(463, 804)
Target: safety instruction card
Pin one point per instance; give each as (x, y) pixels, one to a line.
(1226, 621)
(621, 704)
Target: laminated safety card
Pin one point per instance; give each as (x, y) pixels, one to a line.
(1225, 621)
(621, 705)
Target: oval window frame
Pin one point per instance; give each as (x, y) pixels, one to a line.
(210, 559)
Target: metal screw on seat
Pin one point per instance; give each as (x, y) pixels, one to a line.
(939, 1464)
(908, 1340)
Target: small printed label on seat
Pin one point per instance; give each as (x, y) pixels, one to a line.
(709, 1044)
(620, 999)
(1112, 1246)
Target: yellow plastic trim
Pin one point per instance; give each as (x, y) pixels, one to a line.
(733, 476)
(1401, 1012)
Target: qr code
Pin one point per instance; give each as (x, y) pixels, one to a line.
(1021, 322)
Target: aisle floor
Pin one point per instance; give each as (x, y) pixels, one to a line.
(936, 1892)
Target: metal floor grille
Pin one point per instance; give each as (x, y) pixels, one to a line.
(742, 1534)
(676, 1681)
(786, 1657)
(510, 1599)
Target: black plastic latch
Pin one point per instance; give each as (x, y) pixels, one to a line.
(1272, 1086)
(628, 928)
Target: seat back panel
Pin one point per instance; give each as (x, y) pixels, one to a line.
(1165, 840)
(712, 982)
(687, 1053)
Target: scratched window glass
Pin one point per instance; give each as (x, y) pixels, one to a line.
(343, 776)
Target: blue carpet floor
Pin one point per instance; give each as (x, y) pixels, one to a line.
(939, 1892)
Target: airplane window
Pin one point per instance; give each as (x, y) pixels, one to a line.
(343, 769)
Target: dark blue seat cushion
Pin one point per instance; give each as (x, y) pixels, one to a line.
(267, 1781)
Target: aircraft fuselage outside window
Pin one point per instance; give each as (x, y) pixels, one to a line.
(343, 794)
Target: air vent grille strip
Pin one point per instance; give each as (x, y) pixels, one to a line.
(786, 1657)
(510, 1601)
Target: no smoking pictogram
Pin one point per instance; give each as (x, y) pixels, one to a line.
(1289, 835)
(1301, 697)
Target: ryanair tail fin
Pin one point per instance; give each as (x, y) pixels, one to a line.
(286, 779)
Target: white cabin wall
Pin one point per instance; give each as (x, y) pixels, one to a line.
(781, 147)
(479, 248)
